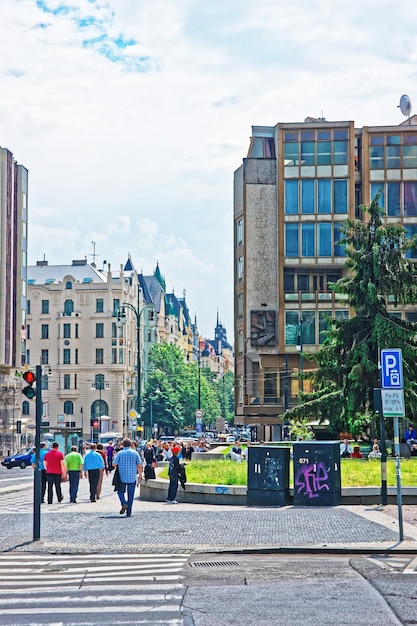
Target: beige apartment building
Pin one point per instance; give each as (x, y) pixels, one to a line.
(297, 185)
(89, 357)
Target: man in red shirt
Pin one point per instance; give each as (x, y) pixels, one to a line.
(55, 469)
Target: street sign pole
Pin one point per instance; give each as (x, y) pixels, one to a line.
(37, 475)
(393, 405)
(378, 409)
(398, 478)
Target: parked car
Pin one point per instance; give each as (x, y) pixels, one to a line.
(20, 459)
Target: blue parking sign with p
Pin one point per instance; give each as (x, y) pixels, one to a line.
(392, 369)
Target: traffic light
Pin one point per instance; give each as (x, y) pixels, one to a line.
(29, 391)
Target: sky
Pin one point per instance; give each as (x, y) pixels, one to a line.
(132, 115)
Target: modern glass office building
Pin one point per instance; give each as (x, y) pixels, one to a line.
(296, 187)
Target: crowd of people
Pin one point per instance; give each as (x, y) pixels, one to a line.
(130, 460)
(409, 440)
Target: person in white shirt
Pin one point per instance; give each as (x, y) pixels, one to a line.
(345, 449)
(375, 452)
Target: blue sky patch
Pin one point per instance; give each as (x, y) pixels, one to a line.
(100, 38)
(124, 43)
(85, 22)
(61, 10)
(14, 73)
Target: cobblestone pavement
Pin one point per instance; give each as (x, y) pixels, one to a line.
(86, 526)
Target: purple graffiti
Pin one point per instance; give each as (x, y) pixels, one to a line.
(310, 479)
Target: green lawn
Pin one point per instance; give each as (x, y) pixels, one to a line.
(355, 472)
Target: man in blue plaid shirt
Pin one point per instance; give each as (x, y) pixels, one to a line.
(130, 464)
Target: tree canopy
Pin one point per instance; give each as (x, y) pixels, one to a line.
(381, 272)
(173, 386)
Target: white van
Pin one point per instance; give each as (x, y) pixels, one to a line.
(109, 436)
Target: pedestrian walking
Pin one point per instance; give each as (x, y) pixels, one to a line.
(42, 453)
(149, 454)
(74, 465)
(100, 450)
(129, 465)
(93, 465)
(173, 473)
(55, 471)
(110, 456)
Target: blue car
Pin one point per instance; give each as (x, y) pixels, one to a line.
(20, 459)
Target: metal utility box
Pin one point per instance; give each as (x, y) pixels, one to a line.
(317, 480)
(268, 476)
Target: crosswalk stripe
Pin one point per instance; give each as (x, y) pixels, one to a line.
(77, 609)
(70, 590)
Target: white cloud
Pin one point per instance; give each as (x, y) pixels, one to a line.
(132, 115)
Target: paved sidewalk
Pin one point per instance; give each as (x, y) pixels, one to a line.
(155, 526)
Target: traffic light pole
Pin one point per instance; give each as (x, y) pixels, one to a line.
(37, 476)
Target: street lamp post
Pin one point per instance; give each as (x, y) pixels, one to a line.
(121, 318)
(151, 399)
(196, 352)
(300, 334)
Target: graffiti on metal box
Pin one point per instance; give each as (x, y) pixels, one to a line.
(311, 479)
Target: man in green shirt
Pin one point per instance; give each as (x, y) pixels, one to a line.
(74, 464)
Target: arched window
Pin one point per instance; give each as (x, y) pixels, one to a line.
(68, 407)
(99, 408)
(68, 284)
(25, 408)
(68, 307)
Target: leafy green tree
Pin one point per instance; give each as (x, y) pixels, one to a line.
(381, 272)
(299, 429)
(173, 386)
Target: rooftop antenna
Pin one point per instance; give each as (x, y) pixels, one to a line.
(94, 253)
(405, 106)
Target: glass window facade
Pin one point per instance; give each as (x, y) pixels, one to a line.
(291, 240)
(99, 305)
(307, 196)
(313, 326)
(393, 151)
(323, 196)
(291, 328)
(66, 356)
(99, 331)
(308, 328)
(316, 147)
(325, 239)
(291, 197)
(397, 198)
(411, 230)
(45, 306)
(316, 239)
(308, 239)
(67, 331)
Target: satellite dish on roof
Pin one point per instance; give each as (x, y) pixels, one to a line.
(405, 105)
